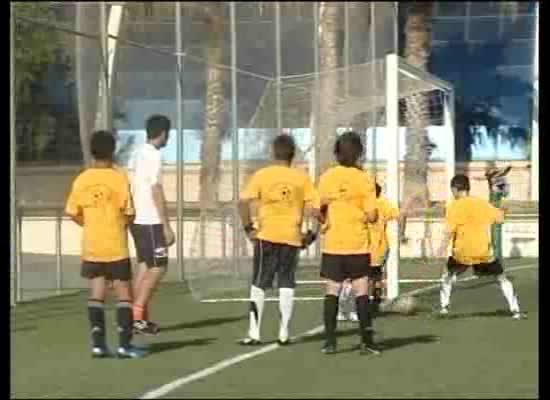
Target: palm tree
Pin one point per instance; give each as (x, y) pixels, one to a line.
(418, 28)
(329, 26)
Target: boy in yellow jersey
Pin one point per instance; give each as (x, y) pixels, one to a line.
(281, 193)
(348, 203)
(468, 221)
(100, 203)
(379, 249)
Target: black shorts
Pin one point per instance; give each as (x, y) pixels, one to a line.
(376, 273)
(484, 269)
(274, 258)
(338, 267)
(120, 270)
(150, 245)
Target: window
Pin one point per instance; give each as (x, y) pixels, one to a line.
(484, 29)
(519, 28)
(448, 30)
(450, 9)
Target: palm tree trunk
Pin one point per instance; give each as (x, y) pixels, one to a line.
(86, 71)
(328, 54)
(417, 52)
(214, 116)
(418, 29)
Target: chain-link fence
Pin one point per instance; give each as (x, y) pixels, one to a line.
(227, 74)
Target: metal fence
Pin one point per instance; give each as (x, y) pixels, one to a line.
(81, 66)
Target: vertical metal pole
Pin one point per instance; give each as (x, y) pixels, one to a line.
(392, 166)
(278, 67)
(535, 127)
(13, 149)
(235, 137)
(179, 143)
(58, 253)
(317, 105)
(374, 83)
(19, 262)
(448, 103)
(104, 80)
(346, 48)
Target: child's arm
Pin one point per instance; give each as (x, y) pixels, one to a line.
(73, 207)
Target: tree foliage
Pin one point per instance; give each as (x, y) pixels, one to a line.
(34, 46)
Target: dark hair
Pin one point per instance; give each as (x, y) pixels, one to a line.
(102, 145)
(461, 183)
(378, 189)
(156, 125)
(284, 148)
(348, 149)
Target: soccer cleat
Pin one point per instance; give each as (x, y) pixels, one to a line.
(248, 341)
(100, 352)
(131, 352)
(329, 348)
(370, 349)
(443, 312)
(284, 342)
(518, 316)
(146, 328)
(353, 317)
(341, 316)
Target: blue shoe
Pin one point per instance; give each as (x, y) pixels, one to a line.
(100, 352)
(131, 352)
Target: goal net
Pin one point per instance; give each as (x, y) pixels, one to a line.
(405, 117)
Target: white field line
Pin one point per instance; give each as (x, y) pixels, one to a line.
(228, 362)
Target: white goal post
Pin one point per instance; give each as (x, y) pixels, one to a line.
(396, 68)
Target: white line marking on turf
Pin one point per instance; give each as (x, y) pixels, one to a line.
(169, 387)
(267, 299)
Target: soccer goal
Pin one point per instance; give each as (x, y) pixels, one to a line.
(404, 114)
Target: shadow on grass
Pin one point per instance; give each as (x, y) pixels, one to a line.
(480, 314)
(398, 342)
(203, 323)
(22, 329)
(319, 337)
(169, 346)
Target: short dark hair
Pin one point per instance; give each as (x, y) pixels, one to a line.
(461, 183)
(156, 125)
(378, 189)
(102, 145)
(284, 148)
(348, 149)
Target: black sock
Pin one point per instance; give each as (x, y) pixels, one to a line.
(365, 318)
(330, 313)
(96, 315)
(124, 321)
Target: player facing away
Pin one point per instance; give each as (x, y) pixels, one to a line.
(348, 203)
(469, 220)
(379, 251)
(150, 229)
(283, 195)
(101, 204)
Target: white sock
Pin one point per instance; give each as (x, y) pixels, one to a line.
(344, 299)
(508, 291)
(286, 304)
(446, 289)
(257, 297)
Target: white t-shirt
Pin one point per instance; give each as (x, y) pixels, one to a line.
(145, 171)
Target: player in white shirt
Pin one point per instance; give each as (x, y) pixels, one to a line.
(151, 229)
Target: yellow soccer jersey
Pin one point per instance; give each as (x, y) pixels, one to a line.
(469, 220)
(102, 197)
(281, 193)
(377, 231)
(350, 194)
